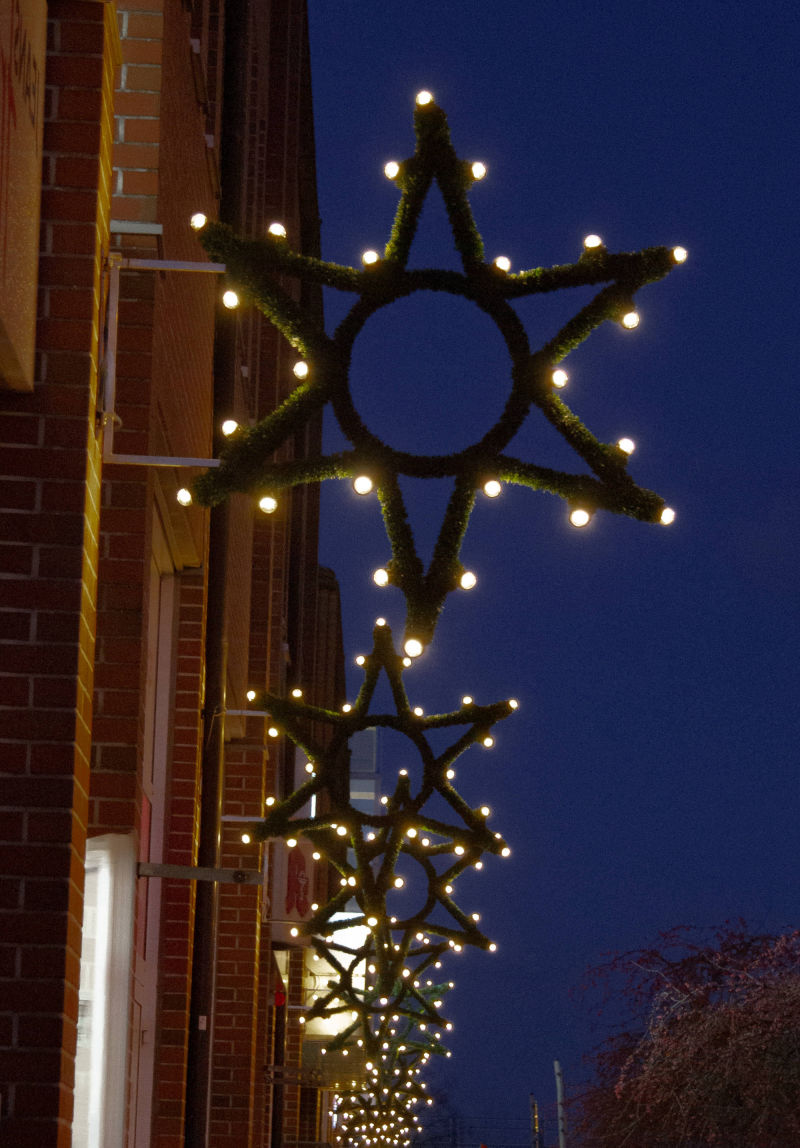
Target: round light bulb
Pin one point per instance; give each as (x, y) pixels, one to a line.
(488, 741)
(478, 170)
(245, 839)
(667, 516)
(229, 426)
(505, 852)
(419, 711)
(362, 484)
(592, 241)
(630, 320)
(513, 703)
(346, 708)
(485, 810)
(297, 692)
(459, 850)
(370, 257)
(391, 169)
(399, 882)
(184, 496)
(406, 662)
(413, 647)
(198, 221)
(424, 97)
(467, 700)
(493, 947)
(291, 842)
(273, 731)
(230, 300)
(277, 229)
(503, 263)
(270, 801)
(380, 576)
(450, 774)
(680, 254)
(560, 378)
(268, 504)
(360, 660)
(380, 621)
(627, 445)
(492, 488)
(468, 580)
(300, 370)
(251, 695)
(341, 830)
(580, 517)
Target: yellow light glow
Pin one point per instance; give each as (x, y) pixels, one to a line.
(505, 852)
(316, 855)
(341, 830)
(370, 257)
(297, 692)
(466, 700)
(478, 170)
(399, 882)
(268, 504)
(278, 230)
(419, 711)
(270, 801)
(406, 662)
(627, 445)
(667, 516)
(309, 767)
(502, 263)
(291, 842)
(360, 660)
(273, 731)
(300, 370)
(450, 774)
(467, 580)
(580, 517)
(380, 576)
(380, 621)
(476, 916)
(229, 426)
(560, 378)
(592, 241)
(294, 932)
(346, 708)
(493, 947)
(372, 922)
(362, 484)
(246, 839)
(459, 850)
(251, 695)
(492, 488)
(230, 300)
(513, 704)
(485, 810)
(391, 169)
(630, 320)
(184, 496)
(680, 254)
(424, 97)
(488, 741)
(198, 221)
(413, 647)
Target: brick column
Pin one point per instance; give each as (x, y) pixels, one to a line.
(48, 567)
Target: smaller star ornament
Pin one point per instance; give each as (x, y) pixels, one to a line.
(258, 267)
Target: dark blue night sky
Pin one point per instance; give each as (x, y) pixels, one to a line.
(650, 776)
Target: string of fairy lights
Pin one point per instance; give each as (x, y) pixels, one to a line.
(379, 989)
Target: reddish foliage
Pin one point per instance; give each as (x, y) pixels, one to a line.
(713, 1053)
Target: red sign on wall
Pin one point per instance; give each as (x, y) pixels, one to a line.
(23, 29)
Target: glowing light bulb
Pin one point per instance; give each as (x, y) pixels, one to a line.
(580, 517)
(391, 169)
(467, 700)
(503, 263)
(341, 830)
(419, 711)
(592, 241)
(411, 831)
(513, 704)
(467, 580)
(270, 801)
(370, 257)
(297, 692)
(184, 496)
(346, 708)
(485, 810)
(273, 731)
(667, 516)
(476, 916)
(680, 254)
(291, 842)
(372, 922)
(362, 484)
(294, 932)
(399, 882)
(505, 852)
(560, 378)
(492, 488)
(459, 851)
(413, 647)
(627, 445)
(488, 741)
(424, 97)
(360, 660)
(230, 300)
(316, 856)
(309, 767)
(277, 229)
(630, 320)
(493, 947)
(198, 221)
(380, 621)
(245, 839)
(251, 695)
(478, 170)
(380, 576)
(268, 504)
(450, 774)
(406, 662)
(229, 426)
(300, 370)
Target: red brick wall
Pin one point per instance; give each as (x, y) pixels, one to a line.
(48, 559)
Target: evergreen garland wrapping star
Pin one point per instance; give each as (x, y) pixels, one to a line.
(256, 266)
(375, 987)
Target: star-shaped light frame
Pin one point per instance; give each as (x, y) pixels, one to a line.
(257, 266)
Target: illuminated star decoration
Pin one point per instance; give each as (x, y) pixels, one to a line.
(365, 848)
(247, 460)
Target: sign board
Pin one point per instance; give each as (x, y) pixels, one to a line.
(23, 30)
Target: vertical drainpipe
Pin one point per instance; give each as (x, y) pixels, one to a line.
(204, 953)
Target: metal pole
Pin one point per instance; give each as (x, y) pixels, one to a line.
(562, 1119)
(536, 1138)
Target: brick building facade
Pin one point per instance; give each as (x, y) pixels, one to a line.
(142, 1010)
